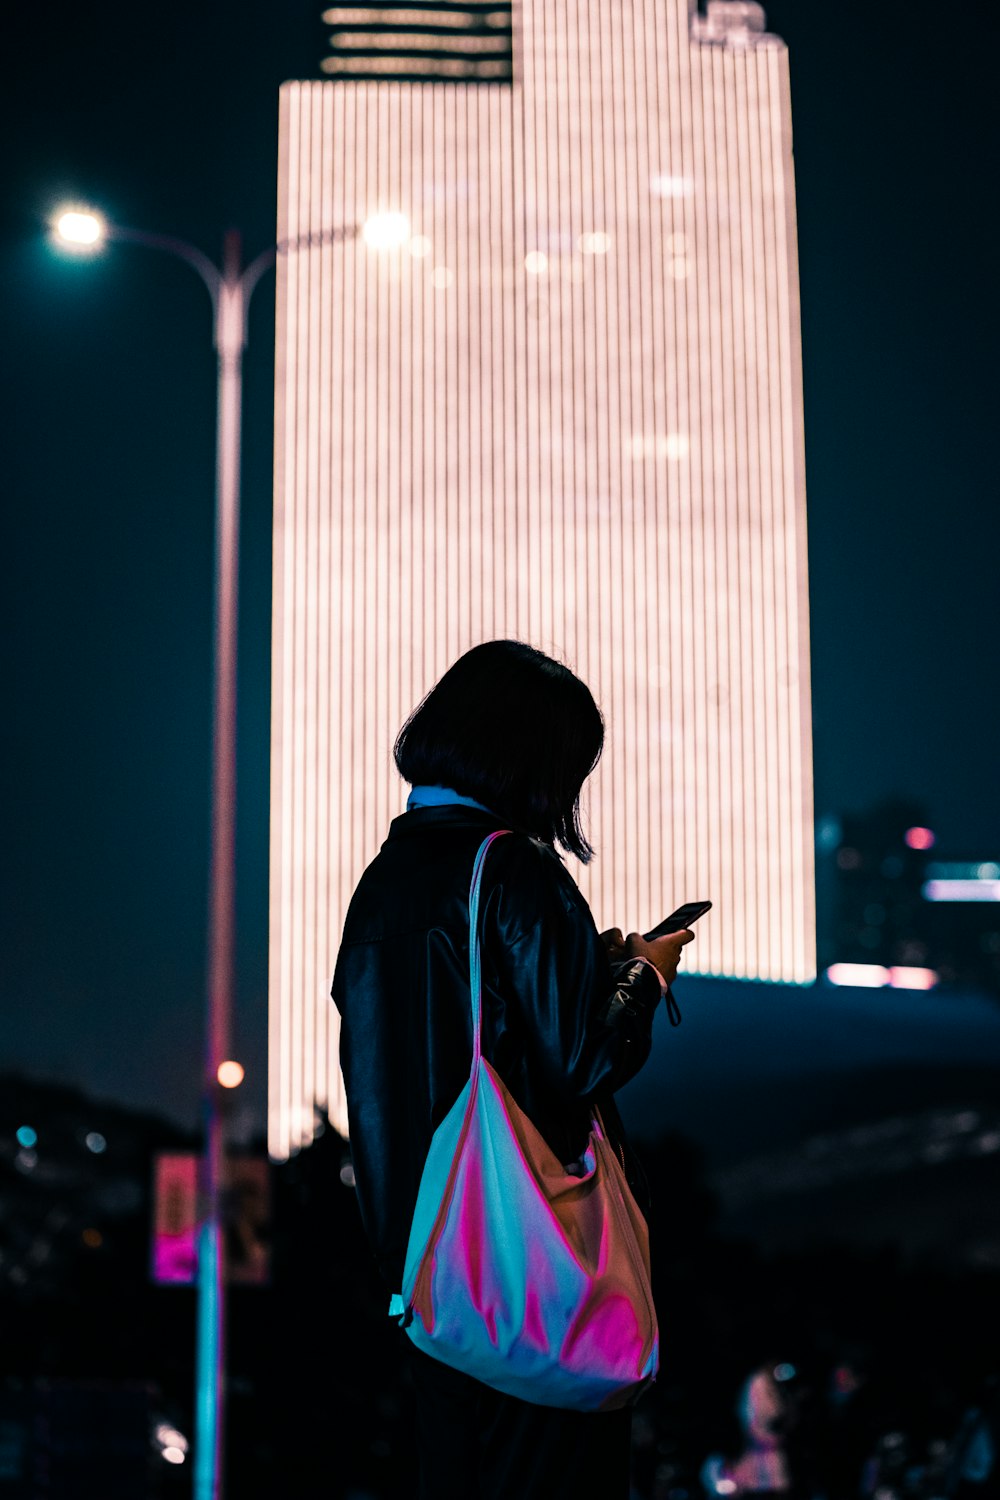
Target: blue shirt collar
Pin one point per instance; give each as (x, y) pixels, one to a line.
(441, 796)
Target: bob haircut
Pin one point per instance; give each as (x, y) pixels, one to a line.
(514, 729)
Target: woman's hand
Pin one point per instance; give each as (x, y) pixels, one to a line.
(615, 944)
(664, 953)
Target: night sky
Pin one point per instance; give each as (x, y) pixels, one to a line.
(166, 119)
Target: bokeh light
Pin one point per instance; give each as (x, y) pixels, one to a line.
(919, 838)
(386, 230)
(595, 243)
(908, 978)
(859, 976)
(230, 1074)
(170, 1437)
(671, 187)
(26, 1136)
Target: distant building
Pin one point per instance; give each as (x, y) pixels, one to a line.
(888, 902)
(548, 387)
(879, 913)
(962, 902)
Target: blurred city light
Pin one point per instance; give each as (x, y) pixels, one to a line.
(536, 262)
(448, 40)
(169, 1437)
(859, 976)
(784, 1372)
(94, 1141)
(26, 1136)
(919, 838)
(173, 1455)
(230, 1074)
(595, 243)
(961, 890)
(92, 1238)
(672, 445)
(906, 978)
(386, 230)
(80, 228)
(342, 15)
(672, 187)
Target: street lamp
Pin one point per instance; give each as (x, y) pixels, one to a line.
(80, 229)
(386, 230)
(230, 287)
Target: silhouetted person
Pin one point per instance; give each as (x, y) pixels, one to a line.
(504, 741)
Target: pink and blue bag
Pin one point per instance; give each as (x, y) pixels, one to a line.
(529, 1277)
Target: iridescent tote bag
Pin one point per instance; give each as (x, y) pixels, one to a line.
(529, 1277)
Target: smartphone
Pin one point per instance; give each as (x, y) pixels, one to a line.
(679, 919)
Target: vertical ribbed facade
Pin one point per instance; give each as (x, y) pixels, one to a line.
(567, 410)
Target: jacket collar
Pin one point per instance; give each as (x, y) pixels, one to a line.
(449, 815)
(440, 796)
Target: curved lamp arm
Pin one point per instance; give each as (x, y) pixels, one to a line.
(241, 285)
(197, 259)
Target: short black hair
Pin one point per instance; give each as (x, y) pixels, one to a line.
(514, 729)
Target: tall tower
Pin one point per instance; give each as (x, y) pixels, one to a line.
(566, 408)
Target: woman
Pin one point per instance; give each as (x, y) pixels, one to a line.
(506, 739)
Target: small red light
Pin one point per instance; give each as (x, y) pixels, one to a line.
(919, 838)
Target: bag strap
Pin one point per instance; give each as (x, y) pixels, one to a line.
(475, 959)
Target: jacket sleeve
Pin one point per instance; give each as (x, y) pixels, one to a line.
(588, 1024)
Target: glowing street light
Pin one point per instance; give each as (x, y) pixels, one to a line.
(230, 1074)
(386, 230)
(80, 229)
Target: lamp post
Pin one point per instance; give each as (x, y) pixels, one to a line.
(230, 288)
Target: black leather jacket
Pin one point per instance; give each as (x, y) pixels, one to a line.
(559, 1025)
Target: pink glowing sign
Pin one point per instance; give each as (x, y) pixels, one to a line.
(175, 1218)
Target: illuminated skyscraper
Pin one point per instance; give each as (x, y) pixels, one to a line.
(566, 407)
